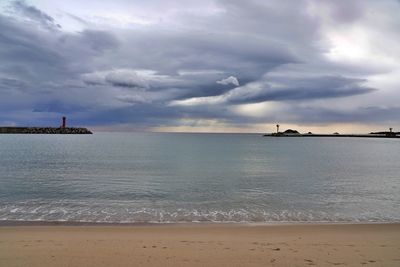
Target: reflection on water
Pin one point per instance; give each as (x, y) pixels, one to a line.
(131, 177)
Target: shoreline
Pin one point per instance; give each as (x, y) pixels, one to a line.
(17, 223)
(202, 245)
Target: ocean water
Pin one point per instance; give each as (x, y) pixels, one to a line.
(165, 177)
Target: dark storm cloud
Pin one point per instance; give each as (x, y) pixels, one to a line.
(145, 114)
(119, 78)
(11, 84)
(291, 89)
(35, 14)
(206, 89)
(59, 106)
(98, 40)
(27, 55)
(37, 56)
(140, 114)
(302, 89)
(169, 52)
(110, 75)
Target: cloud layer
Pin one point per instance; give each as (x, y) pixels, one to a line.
(234, 63)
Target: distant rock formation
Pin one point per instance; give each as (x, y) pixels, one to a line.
(290, 131)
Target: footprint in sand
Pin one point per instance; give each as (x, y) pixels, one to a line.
(336, 263)
(309, 262)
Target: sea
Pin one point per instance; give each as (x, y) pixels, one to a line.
(198, 178)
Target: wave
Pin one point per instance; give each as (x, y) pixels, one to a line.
(99, 214)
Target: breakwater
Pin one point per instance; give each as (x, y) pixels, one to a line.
(335, 135)
(43, 130)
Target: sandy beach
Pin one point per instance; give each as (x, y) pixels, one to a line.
(201, 245)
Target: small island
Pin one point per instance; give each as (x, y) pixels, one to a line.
(295, 133)
(63, 129)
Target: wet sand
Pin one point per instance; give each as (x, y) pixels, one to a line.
(201, 245)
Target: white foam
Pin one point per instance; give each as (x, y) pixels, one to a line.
(118, 214)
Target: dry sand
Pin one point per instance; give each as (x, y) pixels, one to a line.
(201, 245)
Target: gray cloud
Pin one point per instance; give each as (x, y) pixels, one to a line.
(298, 89)
(185, 67)
(120, 77)
(344, 11)
(10, 84)
(305, 89)
(230, 80)
(98, 40)
(35, 14)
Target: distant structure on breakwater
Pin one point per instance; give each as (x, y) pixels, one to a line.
(63, 129)
(295, 133)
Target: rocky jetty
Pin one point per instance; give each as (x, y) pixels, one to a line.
(294, 133)
(43, 130)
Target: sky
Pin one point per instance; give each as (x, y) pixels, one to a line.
(201, 66)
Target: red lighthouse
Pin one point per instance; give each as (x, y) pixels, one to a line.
(64, 122)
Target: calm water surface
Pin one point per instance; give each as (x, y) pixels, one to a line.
(159, 177)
